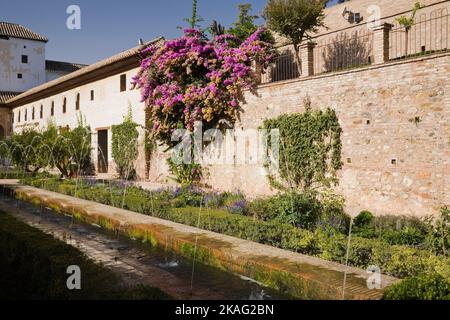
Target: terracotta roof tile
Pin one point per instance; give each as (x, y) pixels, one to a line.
(14, 30)
(6, 95)
(84, 71)
(52, 65)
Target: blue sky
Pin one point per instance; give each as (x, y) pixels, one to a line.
(110, 26)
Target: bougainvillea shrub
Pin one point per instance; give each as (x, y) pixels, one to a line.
(193, 79)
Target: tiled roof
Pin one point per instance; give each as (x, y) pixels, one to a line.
(61, 66)
(7, 95)
(14, 30)
(72, 77)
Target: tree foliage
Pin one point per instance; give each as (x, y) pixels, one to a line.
(68, 150)
(246, 25)
(295, 19)
(194, 79)
(195, 20)
(125, 147)
(309, 149)
(71, 149)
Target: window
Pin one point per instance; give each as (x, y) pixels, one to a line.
(92, 95)
(24, 59)
(26, 115)
(19, 76)
(18, 116)
(52, 110)
(32, 114)
(64, 105)
(41, 113)
(77, 103)
(123, 83)
(4, 37)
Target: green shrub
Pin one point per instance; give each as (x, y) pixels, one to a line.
(438, 239)
(300, 210)
(363, 219)
(424, 287)
(395, 230)
(333, 214)
(125, 147)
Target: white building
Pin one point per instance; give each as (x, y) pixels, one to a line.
(100, 94)
(23, 66)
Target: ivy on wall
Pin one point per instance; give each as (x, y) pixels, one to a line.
(309, 149)
(125, 147)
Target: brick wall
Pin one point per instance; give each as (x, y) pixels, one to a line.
(393, 165)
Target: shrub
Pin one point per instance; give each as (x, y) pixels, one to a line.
(185, 174)
(438, 239)
(125, 147)
(300, 210)
(333, 214)
(424, 287)
(395, 230)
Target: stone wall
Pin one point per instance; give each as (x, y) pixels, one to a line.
(396, 140)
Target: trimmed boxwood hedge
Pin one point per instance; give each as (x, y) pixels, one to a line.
(396, 260)
(424, 287)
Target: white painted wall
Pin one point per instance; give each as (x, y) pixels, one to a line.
(33, 72)
(108, 108)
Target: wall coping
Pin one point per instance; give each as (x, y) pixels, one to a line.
(356, 70)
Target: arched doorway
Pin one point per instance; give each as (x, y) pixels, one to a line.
(2, 133)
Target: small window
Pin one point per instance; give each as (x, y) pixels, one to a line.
(394, 162)
(123, 83)
(32, 114)
(92, 95)
(77, 102)
(64, 109)
(26, 115)
(18, 116)
(52, 109)
(4, 37)
(19, 76)
(24, 59)
(41, 113)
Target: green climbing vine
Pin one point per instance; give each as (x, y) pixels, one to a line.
(125, 147)
(309, 149)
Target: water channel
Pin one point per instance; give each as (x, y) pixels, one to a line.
(139, 263)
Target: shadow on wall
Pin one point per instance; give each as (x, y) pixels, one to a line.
(346, 52)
